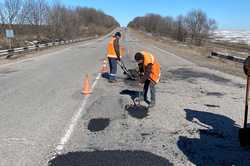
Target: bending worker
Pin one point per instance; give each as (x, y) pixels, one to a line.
(113, 54)
(150, 74)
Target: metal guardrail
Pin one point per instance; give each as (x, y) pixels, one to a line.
(228, 57)
(11, 52)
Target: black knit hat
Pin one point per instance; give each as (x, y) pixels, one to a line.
(118, 34)
(139, 56)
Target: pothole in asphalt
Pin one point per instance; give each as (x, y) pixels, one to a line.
(212, 106)
(137, 111)
(96, 125)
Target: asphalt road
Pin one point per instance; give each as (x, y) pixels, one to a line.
(45, 120)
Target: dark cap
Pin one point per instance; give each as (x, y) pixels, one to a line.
(139, 56)
(118, 34)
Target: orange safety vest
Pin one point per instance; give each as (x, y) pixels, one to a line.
(156, 71)
(110, 49)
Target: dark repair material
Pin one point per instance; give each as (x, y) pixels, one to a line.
(96, 125)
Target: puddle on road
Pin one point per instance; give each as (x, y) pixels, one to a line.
(138, 112)
(96, 125)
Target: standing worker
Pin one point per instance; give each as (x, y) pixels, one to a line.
(113, 54)
(150, 74)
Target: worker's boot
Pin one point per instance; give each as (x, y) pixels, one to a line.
(151, 104)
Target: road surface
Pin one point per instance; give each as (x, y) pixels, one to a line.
(45, 120)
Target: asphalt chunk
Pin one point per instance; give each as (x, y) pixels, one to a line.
(212, 106)
(217, 94)
(96, 125)
(137, 111)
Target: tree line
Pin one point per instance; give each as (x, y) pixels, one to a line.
(46, 20)
(195, 26)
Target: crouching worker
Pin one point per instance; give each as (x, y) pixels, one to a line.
(150, 74)
(113, 54)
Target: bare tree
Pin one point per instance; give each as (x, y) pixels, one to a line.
(10, 11)
(180, 29)
(39, 20)
(35, 12)
(71, 22)
(199, 26)
(2, 19)
(195, 25)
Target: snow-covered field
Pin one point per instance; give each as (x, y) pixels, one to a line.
(234, 36)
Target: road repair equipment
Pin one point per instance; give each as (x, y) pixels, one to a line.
(86, 89)
(125, 70)
(244, 133)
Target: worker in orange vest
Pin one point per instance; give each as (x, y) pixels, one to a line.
(150, 74)
(113, 54)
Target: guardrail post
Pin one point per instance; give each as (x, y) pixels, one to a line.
(10, 53)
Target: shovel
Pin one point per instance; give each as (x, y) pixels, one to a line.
(123, 67)
(244, 133)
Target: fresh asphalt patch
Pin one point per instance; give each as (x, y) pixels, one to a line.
(96, 125)
(108, 158)
(137, 111)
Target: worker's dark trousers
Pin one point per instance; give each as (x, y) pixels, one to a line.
(113, 68)
(148, 84)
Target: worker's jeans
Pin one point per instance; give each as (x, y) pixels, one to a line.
(113, 68)
(148, 84)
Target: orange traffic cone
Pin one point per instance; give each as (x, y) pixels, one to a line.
(86, 90)
(104, 68)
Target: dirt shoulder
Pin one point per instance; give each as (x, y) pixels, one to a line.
(195, 54)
